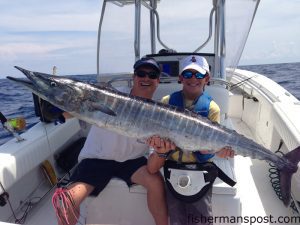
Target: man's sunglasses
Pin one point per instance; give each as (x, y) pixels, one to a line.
(189, 74)
(151, 75)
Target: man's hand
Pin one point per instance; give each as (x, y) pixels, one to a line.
(160, 145)
(225, 152)
(157, 159)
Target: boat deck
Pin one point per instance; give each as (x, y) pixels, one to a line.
(253, 190)
(258, 199)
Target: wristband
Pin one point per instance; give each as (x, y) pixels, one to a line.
(162, 155)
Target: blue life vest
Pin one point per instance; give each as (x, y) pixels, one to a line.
(201, 107)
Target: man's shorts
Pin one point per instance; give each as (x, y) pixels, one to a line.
(98, 172)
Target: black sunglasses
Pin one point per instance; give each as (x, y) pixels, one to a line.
(152, 75)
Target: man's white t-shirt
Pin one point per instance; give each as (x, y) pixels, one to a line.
(105, 144)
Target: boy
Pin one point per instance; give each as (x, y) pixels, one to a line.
(194, 75)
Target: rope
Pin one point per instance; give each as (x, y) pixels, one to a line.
(275, 180)
(29, 203)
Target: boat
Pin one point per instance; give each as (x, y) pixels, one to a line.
(250, 103)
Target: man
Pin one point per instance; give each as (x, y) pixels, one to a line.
(107, 154)
(194, 75)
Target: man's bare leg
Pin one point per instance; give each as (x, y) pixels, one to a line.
(66, 202)
(154, 184)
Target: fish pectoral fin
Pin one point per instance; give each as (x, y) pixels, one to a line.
(103, 108)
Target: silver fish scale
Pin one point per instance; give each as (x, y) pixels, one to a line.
(141, 118)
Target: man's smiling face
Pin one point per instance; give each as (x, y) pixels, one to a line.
(144, 86)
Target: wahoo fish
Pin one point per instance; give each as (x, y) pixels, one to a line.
(142, 118)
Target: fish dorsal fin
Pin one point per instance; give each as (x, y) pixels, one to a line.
(103, 108)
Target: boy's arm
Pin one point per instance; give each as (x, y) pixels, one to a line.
(214, 112)
(214, 115)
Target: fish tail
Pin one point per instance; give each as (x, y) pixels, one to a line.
(287, 173)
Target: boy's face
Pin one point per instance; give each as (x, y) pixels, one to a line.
(193, 86)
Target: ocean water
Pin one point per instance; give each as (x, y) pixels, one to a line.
(16, 100)
(285, 74)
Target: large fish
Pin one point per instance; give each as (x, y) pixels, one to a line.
(141, 118)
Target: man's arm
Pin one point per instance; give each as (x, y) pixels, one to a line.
(67, 115)
(161, 148)
(156, 161)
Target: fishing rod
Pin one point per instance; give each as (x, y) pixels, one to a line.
(240, 83)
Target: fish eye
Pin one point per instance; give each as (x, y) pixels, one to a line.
(53, 84)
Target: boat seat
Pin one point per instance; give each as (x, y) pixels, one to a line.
(111, 205)
(219, 186)
(118, 204)
(221, 96)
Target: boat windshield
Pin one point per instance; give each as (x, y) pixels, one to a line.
(184, 26)
(239, 17)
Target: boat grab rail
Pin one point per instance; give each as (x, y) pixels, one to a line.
(213, 10)
(129, 80)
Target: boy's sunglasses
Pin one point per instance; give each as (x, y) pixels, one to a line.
(151, 75)
(189, 74)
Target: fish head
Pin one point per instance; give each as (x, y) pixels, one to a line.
(59, 91)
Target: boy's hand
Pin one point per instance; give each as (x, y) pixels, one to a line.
(225, 152)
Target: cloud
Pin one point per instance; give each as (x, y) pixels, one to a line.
(16, 49)
(274, 37)
(39, 34)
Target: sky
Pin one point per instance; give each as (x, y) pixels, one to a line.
(37, 35)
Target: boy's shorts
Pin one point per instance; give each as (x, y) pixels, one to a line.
(196, 213)
(98, 172)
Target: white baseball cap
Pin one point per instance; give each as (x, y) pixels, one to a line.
(194, 62)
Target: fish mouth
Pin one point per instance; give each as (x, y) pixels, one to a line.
(27, 73)
(22, 81)
(37, 82)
